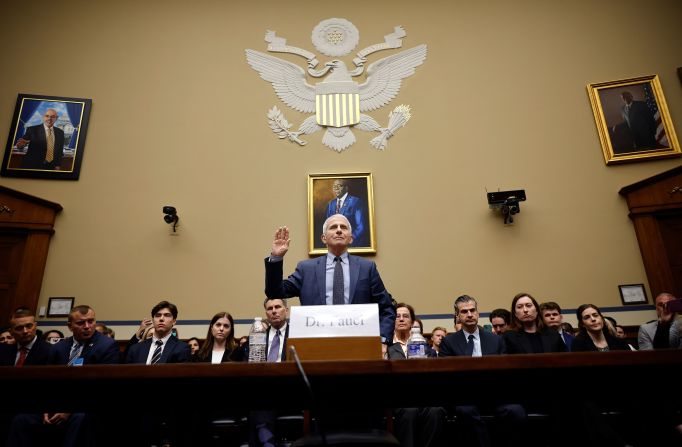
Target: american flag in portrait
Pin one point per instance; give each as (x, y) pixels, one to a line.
(650, 100)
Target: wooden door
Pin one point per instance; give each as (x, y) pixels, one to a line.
(26, 226)
(670, 227)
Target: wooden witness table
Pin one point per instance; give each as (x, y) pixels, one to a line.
(611, 377)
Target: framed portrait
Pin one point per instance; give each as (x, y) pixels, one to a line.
(633, 120)
(46, 137)
(59, 307)
(632, 294)
(349, 194)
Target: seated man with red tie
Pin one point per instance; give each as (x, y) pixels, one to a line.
(473, 341)
(28, 349)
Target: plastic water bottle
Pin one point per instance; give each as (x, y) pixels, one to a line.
(257, 341)
(416, 345)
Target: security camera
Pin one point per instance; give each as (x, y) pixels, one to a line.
(507, 202)
(171, 216)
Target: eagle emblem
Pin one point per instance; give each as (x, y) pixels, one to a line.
(337, 103)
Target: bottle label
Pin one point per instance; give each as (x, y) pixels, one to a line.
(257, 338)
(416, 350)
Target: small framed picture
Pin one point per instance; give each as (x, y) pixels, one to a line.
(47, 137)
(348, 194)
(59, 307)
(633, 294)
(633, 120)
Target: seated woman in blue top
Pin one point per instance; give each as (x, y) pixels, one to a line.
(594, 334)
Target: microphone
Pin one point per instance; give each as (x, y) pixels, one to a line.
(311, 394)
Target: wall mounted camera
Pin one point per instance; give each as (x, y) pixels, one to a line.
(171, 216)
(507, 202)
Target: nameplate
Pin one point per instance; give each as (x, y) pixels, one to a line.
(351, 320)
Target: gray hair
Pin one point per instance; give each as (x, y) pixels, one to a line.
(283, 300)
(326, 222)
(465, 299)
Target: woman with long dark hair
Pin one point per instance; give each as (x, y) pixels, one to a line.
(594, 334)
(220, 345)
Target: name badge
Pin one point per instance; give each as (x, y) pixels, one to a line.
(351, 320)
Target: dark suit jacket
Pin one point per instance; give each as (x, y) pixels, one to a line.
(100, 349)
(455, 344)
(642, 124)
(175, 351)
(583, 343)
(568, 340)
(518, 343)
(354, 211)
(38, 355)
(37, 148)
(308, 283)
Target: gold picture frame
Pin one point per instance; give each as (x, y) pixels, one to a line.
(357, 204)
(633, 120)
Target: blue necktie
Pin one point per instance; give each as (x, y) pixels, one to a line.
(469, 350)
(337, 285)
(75, 353)
(273, 355)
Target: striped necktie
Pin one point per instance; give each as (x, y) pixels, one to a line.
(157, 352)
(75, 353)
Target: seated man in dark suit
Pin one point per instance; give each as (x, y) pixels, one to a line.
(162, 347)
(472, 341)
(85, 347)
(28, 349)
(165, 424)
(551, 316)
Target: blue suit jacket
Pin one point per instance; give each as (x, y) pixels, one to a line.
(38, 355)
(455, 344)
(98, 350)
(175, 351)
(355, 213)
(308, 283)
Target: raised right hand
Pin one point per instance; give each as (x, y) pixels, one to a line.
(280, 245)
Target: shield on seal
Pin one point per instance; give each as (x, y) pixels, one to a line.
(337, 104)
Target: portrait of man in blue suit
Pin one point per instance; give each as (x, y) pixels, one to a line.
(353, 208)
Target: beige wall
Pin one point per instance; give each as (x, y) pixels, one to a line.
(179, 118)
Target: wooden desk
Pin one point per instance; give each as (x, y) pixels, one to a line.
(617, 376)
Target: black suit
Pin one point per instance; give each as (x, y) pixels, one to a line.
(455, 344)
(175, 351)
(510, 416)
(519, 342)
(37, 148)
(38, 355)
